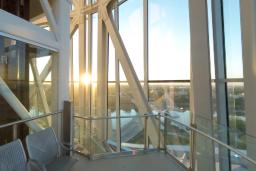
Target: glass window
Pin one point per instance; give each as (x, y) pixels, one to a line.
(169, 40)
(132, 129)
(170, 98)
(27, 77)
(131, 30)
(233, 44)
(112, 93)
(211, 44)
(237, 119)
(234, 69)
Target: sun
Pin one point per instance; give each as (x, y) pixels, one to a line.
(86, 79)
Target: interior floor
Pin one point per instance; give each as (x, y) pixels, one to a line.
(147, 162)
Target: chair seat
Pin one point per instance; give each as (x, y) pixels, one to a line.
(13, 157)
(64, 163)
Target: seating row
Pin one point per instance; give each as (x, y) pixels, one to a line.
(45, 153)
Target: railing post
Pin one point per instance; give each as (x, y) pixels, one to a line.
(192, 149)
(159, 131)
(68, 123)
(145, 133)
(14, 132)
(165, 133)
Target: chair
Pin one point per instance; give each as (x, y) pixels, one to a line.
(44, 149)
(13, 157)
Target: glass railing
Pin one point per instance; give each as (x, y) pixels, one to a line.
(207, 146)
(198, 147)
(97, 136)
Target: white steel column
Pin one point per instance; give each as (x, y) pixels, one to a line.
(82, 60)
(200, 83)
(248, 25)
(145, 45)
(117, 83)
(102, 78)
(221, 89)
(61, 11)
(89, 66)
(145, 61)
(89, 86)
(19, 29)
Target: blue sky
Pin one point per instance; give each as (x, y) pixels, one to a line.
(233, 39)
(169, 38)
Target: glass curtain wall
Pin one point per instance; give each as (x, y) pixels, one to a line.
(27, 75)
(234, 70)
(169, 68)
(168, 86)
(234, 76)
(169, 56)
(168, 63)
(235, 128)
(131, 30)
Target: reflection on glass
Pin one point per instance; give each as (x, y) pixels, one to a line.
(28, 73)
(112, 124)
(178, 142)
(237, 117)
(169, 40)
(132, 129)
(82, 136)
(170, 98)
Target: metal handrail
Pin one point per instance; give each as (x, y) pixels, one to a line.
(28, 120)
(114, 117)
(213, 139)
(173, 120)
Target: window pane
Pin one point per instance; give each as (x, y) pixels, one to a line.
(211, 44)
(131, 30)
(112, 128)
(171, 98)
(21, 67)
(232, 30)
(132, 129)
(236, 115)
(169, 40)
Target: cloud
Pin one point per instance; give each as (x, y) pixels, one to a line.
(156, 13)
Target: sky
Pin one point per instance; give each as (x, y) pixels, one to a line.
(233, 39)
(169, 39)
(168, 49)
